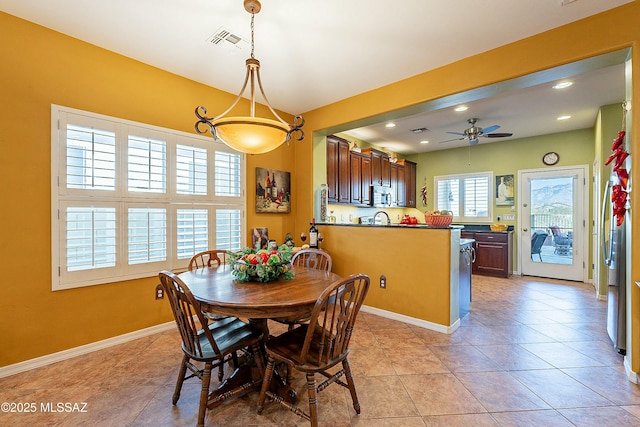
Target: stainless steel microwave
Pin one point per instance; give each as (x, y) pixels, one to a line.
(381, 196)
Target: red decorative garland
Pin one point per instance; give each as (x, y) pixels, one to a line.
(619, 193)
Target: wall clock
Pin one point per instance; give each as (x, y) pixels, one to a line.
(551, 158)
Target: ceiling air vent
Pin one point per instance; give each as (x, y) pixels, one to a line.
(419, 130)
(225, 38)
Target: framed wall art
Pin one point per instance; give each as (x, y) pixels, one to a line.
(504, 190)
(260, 238)
(273, 191)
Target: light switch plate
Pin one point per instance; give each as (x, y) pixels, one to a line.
(509, 217)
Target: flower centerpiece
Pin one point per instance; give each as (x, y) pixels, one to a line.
(261, 265)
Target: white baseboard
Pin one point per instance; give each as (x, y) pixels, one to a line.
(48, 359)
(633, 376)
(412, 320)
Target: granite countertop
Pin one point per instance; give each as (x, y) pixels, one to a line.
(482, 228)
(392, 225)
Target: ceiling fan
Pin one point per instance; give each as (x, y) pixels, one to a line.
(475, 132)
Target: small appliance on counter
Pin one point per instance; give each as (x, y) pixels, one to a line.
(368, 220)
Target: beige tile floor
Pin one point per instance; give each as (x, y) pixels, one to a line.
(533, 352)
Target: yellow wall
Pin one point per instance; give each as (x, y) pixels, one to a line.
(415, 262)
(41, 67)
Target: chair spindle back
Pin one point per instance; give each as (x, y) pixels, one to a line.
(189, 317)
(312, 258)
(333, 319)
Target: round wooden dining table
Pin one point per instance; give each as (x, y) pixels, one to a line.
(219, 292)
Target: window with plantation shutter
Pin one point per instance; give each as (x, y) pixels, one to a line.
(129, 199)
(147, 235)
(467, 196)
(228, 224)
(191, 170)
(91, 237)
(90, 158)
(146, 165)
(192, 231)
(227, 174)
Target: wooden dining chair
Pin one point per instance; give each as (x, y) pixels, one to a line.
(312, 258)
(210, 258)
(308, 258)
(319, 345)
(214, 343)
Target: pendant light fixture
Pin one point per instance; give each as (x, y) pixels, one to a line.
(250, 134)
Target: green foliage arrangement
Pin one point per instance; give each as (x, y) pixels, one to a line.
(262, 265)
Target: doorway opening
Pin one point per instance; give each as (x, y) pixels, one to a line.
(552, 235)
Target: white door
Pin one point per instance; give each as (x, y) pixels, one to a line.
(553, 234)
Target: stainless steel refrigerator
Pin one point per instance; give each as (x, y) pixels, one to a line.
(613, 250)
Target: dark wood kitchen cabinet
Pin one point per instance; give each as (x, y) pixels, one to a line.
(410, 183)
(493, 252)
(360, 182)
(380, 167)
(398, 185)
(338, 170)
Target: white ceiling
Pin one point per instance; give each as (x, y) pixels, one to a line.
(313, 53)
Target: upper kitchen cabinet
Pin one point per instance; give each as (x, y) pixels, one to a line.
(380, 167)
(403, 183)
(398, 185)
(338, 173)
(360, 179)
(410, 186)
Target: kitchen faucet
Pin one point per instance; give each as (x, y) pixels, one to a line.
(385, 214)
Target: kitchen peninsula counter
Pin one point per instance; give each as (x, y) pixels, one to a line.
(398, 225)
(420, 265)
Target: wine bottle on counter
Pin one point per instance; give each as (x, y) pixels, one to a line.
(313, 235)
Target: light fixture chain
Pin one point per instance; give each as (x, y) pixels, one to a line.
(252, 31)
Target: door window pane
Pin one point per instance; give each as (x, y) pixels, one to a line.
(552, 214)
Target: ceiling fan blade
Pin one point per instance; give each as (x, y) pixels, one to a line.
(457, 133)
(498, 135)
(490, 129)
(449, 140)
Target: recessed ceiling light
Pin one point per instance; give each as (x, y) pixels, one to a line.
(562, 85)
(461, 108)
(564, 118)
(390, 125)
(424, 142)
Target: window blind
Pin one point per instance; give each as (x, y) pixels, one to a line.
(134, 199)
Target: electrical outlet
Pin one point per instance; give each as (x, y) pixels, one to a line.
(383, 281)
(159, 292)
